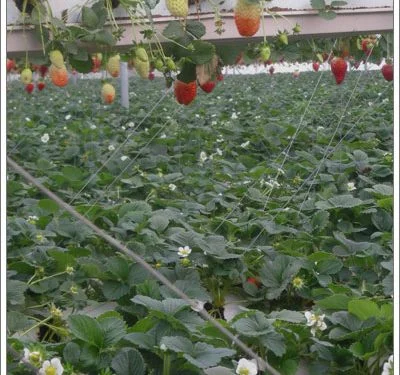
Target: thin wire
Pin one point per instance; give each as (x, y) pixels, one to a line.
(118, 148)
(313, 174)
(262, 364)
(129, 164)
(333, 137)
(285, 152)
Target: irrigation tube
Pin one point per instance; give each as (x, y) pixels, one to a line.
(263, 365)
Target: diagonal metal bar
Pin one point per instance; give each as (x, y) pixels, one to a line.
(263, 365)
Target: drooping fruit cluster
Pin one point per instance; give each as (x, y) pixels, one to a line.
(247, 17)
(113, 65)
(178, 8)
(339, 69)
(58, 71)
(185, 92)
(142, 63)
(108, 93)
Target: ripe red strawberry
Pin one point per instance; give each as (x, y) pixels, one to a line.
(40, 85)
(151, 76)
(220, 77)
(29, 88)
(339, 69)
(254, 280)
(208, 86)
(247, 17)
(185, 92)
(387, 72)
(271, 70)
(43, 69)
(315, 66)
(10, 65)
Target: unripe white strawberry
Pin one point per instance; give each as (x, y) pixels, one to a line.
(57, 59)
(141, 54)
(26, 76)
(142, 68)
(113, 65)
(178, 8)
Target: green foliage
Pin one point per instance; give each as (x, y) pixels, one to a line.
(331, 254)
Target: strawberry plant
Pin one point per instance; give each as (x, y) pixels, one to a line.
(291, 252)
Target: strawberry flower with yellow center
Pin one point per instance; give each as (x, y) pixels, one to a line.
(52, 367)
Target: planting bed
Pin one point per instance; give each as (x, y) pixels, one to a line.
(272, 193)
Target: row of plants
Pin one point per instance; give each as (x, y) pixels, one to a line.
(280, 232)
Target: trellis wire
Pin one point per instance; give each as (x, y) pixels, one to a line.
(263, 365)
(129, 164)
(285, 152)
(315, 172)
(119, 147)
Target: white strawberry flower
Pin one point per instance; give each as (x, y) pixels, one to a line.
(45, 138)
(34, 357)
(219, 152)
(245, 144)
(32, 219)
(67, 117)
(93, 126)
(234, 116)
(315, 321)
(124, 157)
(388, 368)
(197, 305)
(203, 156)
(351, 186)
(246, 367)
(111, 148)
(184, 252)
(172, 187)
(52, 367)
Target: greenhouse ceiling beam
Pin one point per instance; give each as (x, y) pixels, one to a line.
(354, 21)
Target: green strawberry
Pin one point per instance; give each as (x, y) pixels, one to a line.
(283, 37)
(265, 53)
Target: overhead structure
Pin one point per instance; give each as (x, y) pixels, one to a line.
(357, 17)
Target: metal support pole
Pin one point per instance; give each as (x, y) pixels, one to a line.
(124, 84)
